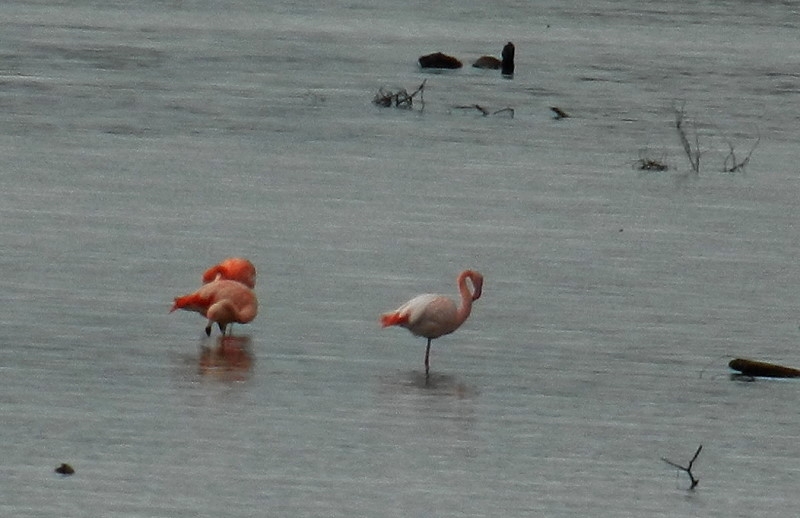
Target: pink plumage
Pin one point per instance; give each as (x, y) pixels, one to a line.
(221, 301)
(232, 269)
(432, 316)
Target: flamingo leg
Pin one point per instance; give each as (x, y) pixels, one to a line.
(427, 359)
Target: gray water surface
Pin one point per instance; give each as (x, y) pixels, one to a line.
(144, 142)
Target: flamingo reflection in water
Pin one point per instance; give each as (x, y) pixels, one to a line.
(229, 359)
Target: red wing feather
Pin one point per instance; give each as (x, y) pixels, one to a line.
(393, 319)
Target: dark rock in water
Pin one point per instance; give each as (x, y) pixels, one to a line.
(65, 469)
(488, 62)
(492, 63)
(439, 60)
(508, 59)
(763, 369)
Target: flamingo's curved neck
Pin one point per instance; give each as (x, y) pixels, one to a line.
(467, 296)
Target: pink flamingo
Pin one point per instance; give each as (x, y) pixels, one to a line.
(232, 269)
(221, 301)
(432, 316)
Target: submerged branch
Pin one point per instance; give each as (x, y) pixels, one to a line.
(401, 98)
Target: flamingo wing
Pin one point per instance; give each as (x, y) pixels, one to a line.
(426, 315)
(234, 269)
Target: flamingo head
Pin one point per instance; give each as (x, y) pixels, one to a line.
(477, 283)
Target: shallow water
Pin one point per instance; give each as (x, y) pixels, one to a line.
(144, 143)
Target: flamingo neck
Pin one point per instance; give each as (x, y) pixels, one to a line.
(467, 296)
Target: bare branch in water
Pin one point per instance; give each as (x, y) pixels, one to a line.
(731, 165)
(692, 154)
(484, 111)
(687, 469)
(401, 98)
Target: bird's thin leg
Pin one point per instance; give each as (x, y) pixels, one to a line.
(208, 328)
(427, 360)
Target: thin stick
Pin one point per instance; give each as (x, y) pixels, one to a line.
(478, 107)
(504, 110)
(687, 469)
(692, 155)
(731, 159)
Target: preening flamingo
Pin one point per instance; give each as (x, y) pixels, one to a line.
(432, 316)
(232, 269)
(221, 301)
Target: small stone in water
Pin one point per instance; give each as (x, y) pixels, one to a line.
(65, 469)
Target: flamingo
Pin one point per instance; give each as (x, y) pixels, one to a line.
(431, 316)
(221, 301)
(233, 269)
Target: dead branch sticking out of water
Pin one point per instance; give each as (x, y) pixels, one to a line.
(400, 98)
(687, 469)
(558, 113)
(731, 165)
(485, 111)
(693, 154)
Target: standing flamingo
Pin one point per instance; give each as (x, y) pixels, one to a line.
(232, 269)
(432, 316)
(221, 301)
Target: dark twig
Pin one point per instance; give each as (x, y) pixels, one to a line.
(687, 469)
(508, 110)
(485, 111)
(692, 154)
(478, 107)
(731, 165)
(400, 98)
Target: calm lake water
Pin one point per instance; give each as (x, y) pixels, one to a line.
(143, 142)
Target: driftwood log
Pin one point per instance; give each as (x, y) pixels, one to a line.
(763, 369)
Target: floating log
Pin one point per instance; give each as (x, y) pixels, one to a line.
(763, 369)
